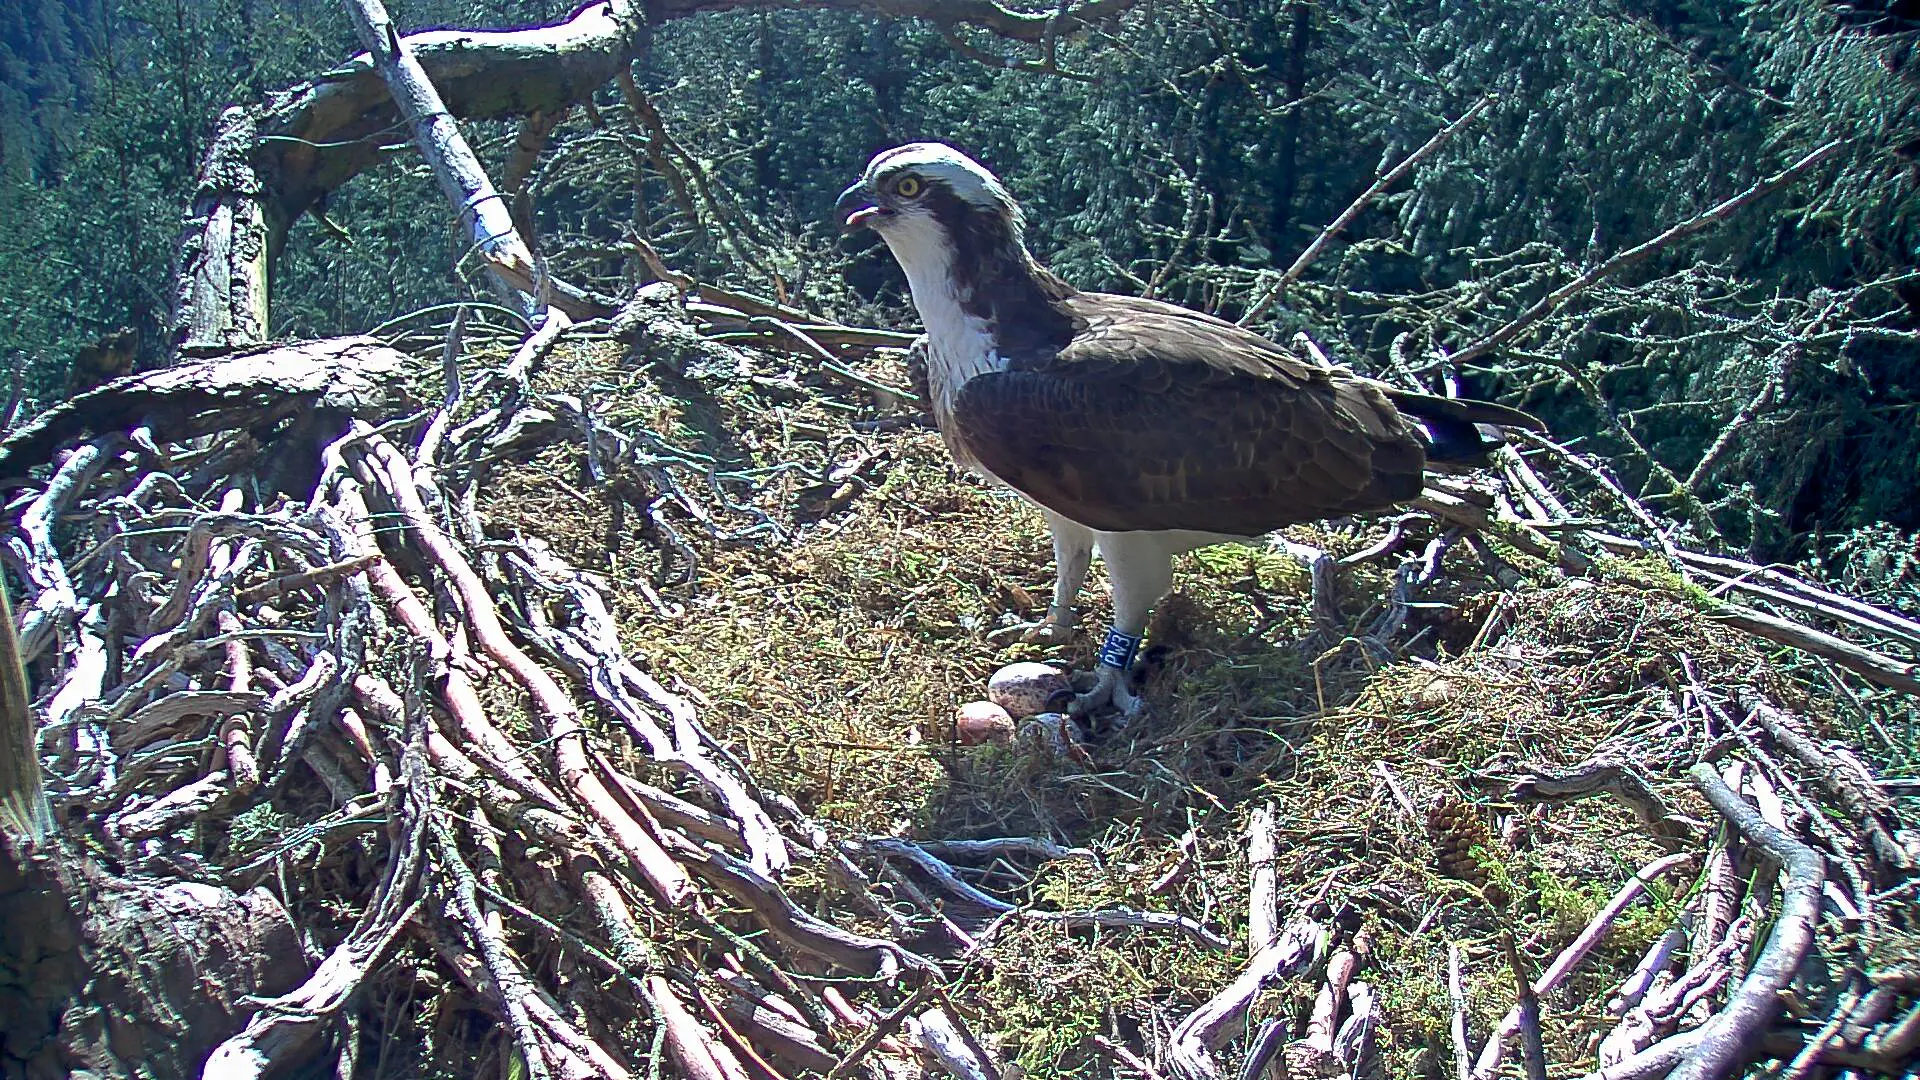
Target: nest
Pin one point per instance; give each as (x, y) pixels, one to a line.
(599, 721)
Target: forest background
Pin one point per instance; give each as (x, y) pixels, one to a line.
(1757, 381)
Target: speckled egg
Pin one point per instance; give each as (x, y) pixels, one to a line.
(1027, 688)
(979, 722)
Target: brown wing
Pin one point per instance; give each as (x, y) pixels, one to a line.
(1154, 419)
(1129, 328)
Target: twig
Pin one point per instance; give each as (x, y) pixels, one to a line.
(1633, 989)
(1320, 583)
(1322, 1024)
(1023, 845)
(1365, 199)
(1353, 1044)
(1531, 1052)
(1741, 576)
(792, 925)
(1267, 1044)
(484, 214)
(696, 1052)
(292, 583)
(1723, 441)
(1656, 1060)
(1864, 806)
(1263, 897)
(509, 980)
(828, 362)
(1804, 1062)
(23, 800)
(879, 1031)
(1570, 957)
(1189, 1050)
(1874, 666)
(555, 708)
(1400, 797)
(1724, 1039)
(1313, 1053)
(946, 1037)
(1139, 920)
(1550, 303)
(1125, 1057)
(1457, 1001)
(940, 872)
(1604, 777)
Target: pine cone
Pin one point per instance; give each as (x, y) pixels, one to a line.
(1456, 831)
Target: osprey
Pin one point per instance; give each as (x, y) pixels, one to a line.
(1141, 429)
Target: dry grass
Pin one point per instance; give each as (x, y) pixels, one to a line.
(833, 660)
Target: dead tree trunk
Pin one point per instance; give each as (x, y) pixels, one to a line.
(268, 164)
(108, 975)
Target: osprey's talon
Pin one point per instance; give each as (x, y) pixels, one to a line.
(1131, 706)
(1109, 688)
(1110, 697)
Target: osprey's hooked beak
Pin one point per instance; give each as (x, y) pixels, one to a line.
(856, 208)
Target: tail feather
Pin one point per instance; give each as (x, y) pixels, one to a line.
(1454, 426)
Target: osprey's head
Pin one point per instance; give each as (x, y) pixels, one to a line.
(941, 212)
(924, 181)
(957, 235)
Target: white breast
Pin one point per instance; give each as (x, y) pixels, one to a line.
(959, 343)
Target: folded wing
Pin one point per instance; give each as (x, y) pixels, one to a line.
(1157, 418)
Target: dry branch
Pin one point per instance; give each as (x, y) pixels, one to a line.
(949, 1043)
(1726, 1038)
(1869, 810)
(1361, 202)
(348, 376)
(1874, 666)
(1138, 920)
(1576, 950)
(483, 214)
(1263, 895)
(1457, 1026)
(1190, 1047)
(267, 166)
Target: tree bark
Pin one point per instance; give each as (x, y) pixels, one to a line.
(110, 976)
(271, 163)
(1296, 83)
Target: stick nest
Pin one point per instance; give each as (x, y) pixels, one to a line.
(613, 729)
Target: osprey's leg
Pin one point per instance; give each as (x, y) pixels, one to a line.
(1140, 568)
(1072, 556)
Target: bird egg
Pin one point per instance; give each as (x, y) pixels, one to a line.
(1027, 688)
(979, 722)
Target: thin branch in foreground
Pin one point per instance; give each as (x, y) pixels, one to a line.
(1871, 664)
(1562, 966)
(1532, 1053)
(1550, 303)
(1189, 1050)
(1365, 199)
(484, 213)
(1457, 1003)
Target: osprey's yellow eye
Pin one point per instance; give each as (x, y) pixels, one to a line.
(907, 187)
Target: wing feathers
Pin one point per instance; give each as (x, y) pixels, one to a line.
(1156, 417)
